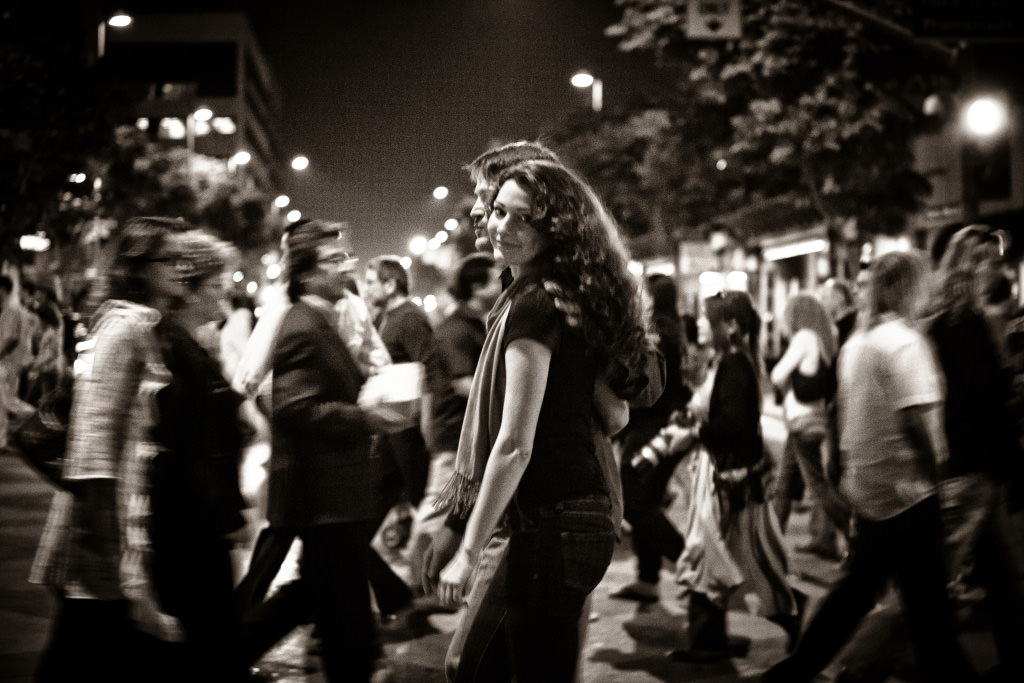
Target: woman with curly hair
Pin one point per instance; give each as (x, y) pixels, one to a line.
(526, 454)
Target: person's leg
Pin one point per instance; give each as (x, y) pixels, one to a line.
(915, 549)
(429, 519)
(788, 483)
(477, 651)
(807, 449)
(843, 608)
(552, 570)
(266, 623)
(966, 502)
(1001, 568)
(334, 563)
(270, 551)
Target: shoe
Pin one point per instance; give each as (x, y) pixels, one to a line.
(640, 591)
(791, 623)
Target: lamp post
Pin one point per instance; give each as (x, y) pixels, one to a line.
(584, 79)
(983, 117)
(201, 114)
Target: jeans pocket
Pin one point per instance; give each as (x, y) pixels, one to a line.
(585, 558)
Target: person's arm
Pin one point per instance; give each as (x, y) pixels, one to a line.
(527, 363)
(297, 398)
(611, 410)
(791, 359)
(923, 425)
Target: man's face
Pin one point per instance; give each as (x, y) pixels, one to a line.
(484, 192)
(376, 290)
(325, 280)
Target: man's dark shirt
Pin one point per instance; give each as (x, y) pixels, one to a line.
(458, 340)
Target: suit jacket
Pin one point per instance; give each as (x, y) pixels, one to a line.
(320, 469)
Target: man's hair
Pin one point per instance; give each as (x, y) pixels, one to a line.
(390, 268)
(897, 279)
(474, 269)
(489, 165)
(6, 284)
(662, 290)
(303, 239)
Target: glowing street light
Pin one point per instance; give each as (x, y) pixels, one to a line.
(451, 224)
(440, 192)
(300, 163)
(282, 201)
(985, 116)
(120, 19)
(418, 245)
(294, 215)
(582, 79)
(203, 114)
(242, 158)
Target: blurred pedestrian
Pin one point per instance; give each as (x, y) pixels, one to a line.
(734, 552)
(196, 501)
(644, 484)
(408, 337)
(984, 453)
(533, 440)
(321, 473)
(890, 393)
(95, 550)
(11, 323)
(805, 374)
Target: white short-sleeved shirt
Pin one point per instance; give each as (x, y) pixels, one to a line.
(881, 371)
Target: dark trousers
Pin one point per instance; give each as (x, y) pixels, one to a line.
(908, 549)
(555, 559)
(332, 591)
(96, 640)
(654, 536)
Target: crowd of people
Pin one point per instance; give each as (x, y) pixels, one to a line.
(560, 396)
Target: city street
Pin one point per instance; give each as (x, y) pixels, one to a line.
(626, 641)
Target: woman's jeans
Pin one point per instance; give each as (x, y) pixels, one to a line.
(557, 556)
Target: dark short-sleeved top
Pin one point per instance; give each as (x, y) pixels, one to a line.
(563, 465)
(406, 333)
(458, 341)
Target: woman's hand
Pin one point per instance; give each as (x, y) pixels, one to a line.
(454, 578)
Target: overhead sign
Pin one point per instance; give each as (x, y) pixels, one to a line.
(961, 19)
(713, 20)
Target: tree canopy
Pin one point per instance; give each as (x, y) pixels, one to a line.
(814, 106)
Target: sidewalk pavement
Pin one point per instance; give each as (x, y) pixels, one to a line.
(625, 642)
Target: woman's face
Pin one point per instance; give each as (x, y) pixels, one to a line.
(510, 223)
(207, 300)
(162, 275)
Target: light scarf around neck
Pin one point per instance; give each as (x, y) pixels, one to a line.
(482, 421)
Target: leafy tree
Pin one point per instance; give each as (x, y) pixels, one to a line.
(820, 109)
(56, 112)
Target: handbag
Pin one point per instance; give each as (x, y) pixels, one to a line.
(41, 437)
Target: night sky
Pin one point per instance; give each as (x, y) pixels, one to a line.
(390, 98)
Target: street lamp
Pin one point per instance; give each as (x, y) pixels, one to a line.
(202, 114)
(584, 79)
(440, 192)
(982, 118)
(300, 163)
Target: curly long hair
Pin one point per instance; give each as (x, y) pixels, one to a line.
(957, 286)
(586, 258)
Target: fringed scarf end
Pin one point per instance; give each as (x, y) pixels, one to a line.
(458, 496)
